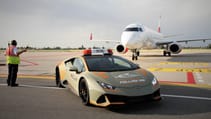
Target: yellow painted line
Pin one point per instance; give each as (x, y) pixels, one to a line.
(202, 70)
(30, 76)
(184, 63)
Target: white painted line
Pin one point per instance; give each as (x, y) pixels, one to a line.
(198, 76)
(201, 81)
(3, 84)
(31, 86)
(187, 97)
(42, 87)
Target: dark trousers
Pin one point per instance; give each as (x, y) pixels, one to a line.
(12, 74)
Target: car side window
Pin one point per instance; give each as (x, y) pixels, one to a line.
(79, 65)
(69, 62)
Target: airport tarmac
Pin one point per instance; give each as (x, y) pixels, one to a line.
(184, 78)
(39, 99)
(191, 67)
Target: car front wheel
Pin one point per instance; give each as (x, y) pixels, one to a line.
(84, 92)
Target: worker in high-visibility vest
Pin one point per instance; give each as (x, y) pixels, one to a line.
(13, 60)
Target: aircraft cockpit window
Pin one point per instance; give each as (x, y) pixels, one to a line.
(134, 29)
(140, 29)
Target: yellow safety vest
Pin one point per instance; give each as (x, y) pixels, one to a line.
(13, 60)
(11, 57)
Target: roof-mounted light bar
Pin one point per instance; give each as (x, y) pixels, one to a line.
(92, 52)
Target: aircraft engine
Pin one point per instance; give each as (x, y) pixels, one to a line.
(121, 48)
(175, 48)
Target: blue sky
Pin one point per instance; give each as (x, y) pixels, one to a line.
(68, 23)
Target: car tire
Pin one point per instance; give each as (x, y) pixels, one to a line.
(156, 96)
(58, 80)
(84, 92)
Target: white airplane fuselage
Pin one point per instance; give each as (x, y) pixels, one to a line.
(138, 36)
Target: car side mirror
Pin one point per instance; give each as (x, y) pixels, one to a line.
(137, 64)
(72, 68)
(75, 69)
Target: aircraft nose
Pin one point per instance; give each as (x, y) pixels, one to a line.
(128, 39)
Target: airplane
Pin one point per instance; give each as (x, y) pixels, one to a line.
(137, 36)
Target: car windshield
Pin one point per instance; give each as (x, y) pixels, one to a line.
(109, 63)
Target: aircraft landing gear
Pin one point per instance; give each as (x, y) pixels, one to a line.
(166, 52)
(135, 55)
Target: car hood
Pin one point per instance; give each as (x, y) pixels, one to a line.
(135, 78)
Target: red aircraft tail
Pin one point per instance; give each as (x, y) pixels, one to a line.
(159, 29)
(90, 37)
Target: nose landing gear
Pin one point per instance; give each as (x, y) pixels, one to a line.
(135, 54)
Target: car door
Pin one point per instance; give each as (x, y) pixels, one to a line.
(75, 75)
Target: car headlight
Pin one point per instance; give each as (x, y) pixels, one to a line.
(106, 86)
(154, 81)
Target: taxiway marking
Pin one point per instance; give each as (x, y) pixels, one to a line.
(187, 97)
(190, 78)
(31, 76)
(32, 86)
(199, 78)
(202, 70)
(184, 63)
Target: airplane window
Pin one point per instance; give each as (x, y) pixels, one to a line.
(140, 29)
(134, 29)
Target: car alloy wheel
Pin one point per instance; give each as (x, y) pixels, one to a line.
(84, 92)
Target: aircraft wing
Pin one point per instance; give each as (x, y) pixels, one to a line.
(107, 41)
(180, 41)
(202, 39)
